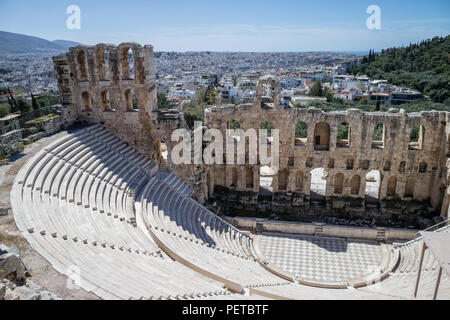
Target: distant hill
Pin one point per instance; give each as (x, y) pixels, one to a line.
(66, 44)
(424, 66)
(20, 43)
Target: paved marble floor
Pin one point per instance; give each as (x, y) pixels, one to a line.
(320, 259)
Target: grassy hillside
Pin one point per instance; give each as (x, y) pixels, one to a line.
(423, 66)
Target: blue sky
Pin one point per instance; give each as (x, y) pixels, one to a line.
(245, 25)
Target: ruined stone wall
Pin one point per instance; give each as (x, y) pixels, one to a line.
(101, 84)
(98, 82)
(418, 172)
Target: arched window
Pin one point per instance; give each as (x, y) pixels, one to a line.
(409, 187)
(318, 182)
(106, 102)
(112, 102)
(249, 177)
(373, 183)
(130, 100)
(127, 62)
(268, 95)
(343, 136)
(322, 136)
(282, 179)
(101, 59)
(82, 65)
(87, 101)
(392, 186)
(301, 134)
(423, 167)
(265, 180)
(378, 137)
(416, 137)
(234, 178)
(355, 183)
(299, 181)
(339, 183)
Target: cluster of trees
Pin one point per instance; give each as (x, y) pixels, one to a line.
(21, 105)
(423, 66)
(164, 103)
(317, 90)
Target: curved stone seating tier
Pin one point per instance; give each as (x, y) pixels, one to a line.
(401, 281)
(199, 238)
(100, 213)
(74, 203)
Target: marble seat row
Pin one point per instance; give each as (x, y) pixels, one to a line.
(401, 281)
(74, 203)
(200, 237)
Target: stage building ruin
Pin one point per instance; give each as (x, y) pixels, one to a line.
(375, 170)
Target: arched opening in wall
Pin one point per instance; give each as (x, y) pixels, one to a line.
(131, 102)
(409, 187)
(322, 136)
(416, 137)
(391, 187)
(265, 180)
(373, 184)
(106, 102)
(299, 181)
(339, 183)
(101, 58)
(266, 124)
(249, 178)
(163, 149)
(112, 102)
(378, 136)
(355, 185)
(282, 180)
(219, 176)
(318, 183)
(234, 177)
(301, 134)
(402, 167)
(423, 166)
(82, 65)
(268, 95)
(87, 101)
(343, 136)
(127, 62)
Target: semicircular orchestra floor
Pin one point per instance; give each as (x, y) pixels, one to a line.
(320, 258)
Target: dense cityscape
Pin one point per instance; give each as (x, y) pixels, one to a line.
(180, 75)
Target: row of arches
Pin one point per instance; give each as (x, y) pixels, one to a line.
(318, 182)
(107, 100)
(102, 63)
(373, 185)
(322, 135)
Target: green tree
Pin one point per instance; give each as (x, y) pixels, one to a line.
(316, 89)
(164, 103)
(23, 106)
